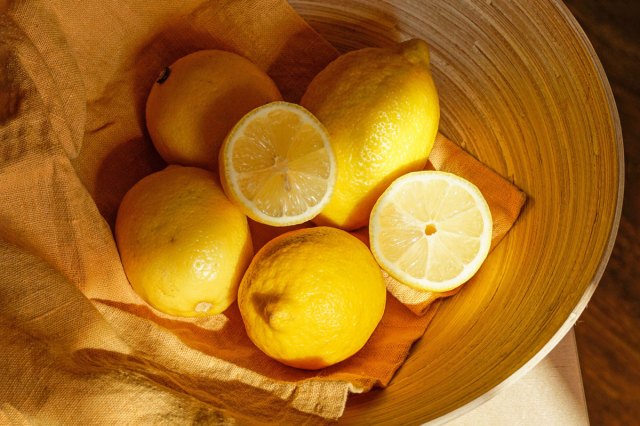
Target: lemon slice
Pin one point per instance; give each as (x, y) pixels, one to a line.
(277, 165)
(431, 230)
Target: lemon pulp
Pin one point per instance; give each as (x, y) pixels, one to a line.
(277, 164)
(431, 230)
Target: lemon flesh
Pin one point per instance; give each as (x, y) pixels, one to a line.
(277, 165)
(312, 297)
(431, 230)
(380, 107)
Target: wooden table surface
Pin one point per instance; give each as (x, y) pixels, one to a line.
(608, 332)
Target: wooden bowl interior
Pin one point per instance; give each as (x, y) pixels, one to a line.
(522, 90)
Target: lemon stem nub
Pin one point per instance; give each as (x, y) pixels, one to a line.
(164, 75)
(203, 307)
(430, 229)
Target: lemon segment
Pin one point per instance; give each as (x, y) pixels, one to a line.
(277, 165)
(431, 230)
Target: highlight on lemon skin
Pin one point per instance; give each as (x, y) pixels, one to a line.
(312, 297)
(431, 230)
(277, 165)
(184, 246)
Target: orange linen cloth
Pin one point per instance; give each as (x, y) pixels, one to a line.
(78, 345)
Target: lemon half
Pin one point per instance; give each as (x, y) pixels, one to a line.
(277, 165)
(431, 230)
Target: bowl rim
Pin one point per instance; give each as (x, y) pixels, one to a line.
(562, 331)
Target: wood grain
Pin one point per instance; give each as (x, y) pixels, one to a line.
(608, 333)
(522, 90)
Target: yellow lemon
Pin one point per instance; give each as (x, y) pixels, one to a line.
(312, 297)
(381, 109)
(277, 165)
(431, 230)
(198, 99)
(184, 246)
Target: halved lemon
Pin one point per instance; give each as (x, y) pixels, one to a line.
(431, 230)
(277, 165)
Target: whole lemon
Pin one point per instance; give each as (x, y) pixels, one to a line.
(312, 297)
(198, 99)
(184, 246)
(380, 107)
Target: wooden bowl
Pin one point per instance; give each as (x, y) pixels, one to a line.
(521, 89)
